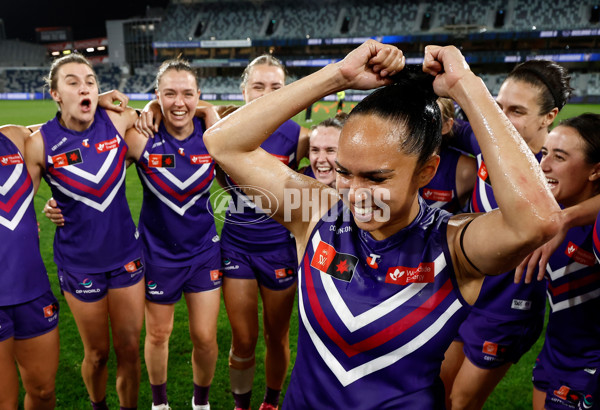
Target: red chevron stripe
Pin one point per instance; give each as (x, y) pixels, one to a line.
(84, 188)
(170, 191)
(573, 285)
(7, 207)
(382, 336)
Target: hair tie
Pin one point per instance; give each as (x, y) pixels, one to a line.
(541, 77)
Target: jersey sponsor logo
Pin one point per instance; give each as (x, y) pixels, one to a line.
(283, 158)
(181, 152)
(483, 173)
(215, 274)
(50, 310)
(85, 143)
(520, 304)
(490, 348)
(86, 283)
(67, 158)
(328, 260)
(161, 161)
(151, 285)
(437, 195)
(107, 145)
(12, 159)
(283, 273)
(200, 159)
(372, 260)
(133, 265)
(580, 255)
(565, 393)
(402, 275)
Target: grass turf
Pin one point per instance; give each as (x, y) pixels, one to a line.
(514, 390)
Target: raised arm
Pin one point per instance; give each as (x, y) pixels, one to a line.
(234, 142)
(494, 242)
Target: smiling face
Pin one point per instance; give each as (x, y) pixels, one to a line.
(76, 93)
(323, 152)
(178, 96)
(570, 177)
(519, 102)
(262, 80)
(378, 181)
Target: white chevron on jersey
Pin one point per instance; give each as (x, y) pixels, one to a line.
(354, 323)
(565, 270)
(574, 301)
(12, 223)
(90, 202)
(182, 185)
(97, 177)
(346, 377)
(10, 182)
(179, 210)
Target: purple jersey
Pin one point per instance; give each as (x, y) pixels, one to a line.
(176, 221)
(441, 192)
(309, 172)
(500, 297)
(247, 228)
(86, 172)
(375, 316)
(23, 275)
(463, 138)
(596, 237)
(573, 330)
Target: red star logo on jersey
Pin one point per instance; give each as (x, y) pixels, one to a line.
(342, 266)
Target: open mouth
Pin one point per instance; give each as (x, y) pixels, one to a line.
(551, 182)
(362, 213)
(86, 104)
(179, 114)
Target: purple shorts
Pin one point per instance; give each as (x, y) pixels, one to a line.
(92, 287)
(275, 271)
(490, 343)
(29, 319)
(165, 285)
(564, 389)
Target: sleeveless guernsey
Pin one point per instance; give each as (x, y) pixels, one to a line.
(375, 316)
(86, 172)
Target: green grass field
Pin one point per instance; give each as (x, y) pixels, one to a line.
(513, 392)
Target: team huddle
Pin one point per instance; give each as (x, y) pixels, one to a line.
(489, 216)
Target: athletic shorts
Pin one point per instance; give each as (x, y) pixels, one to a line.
(92, 287)
(275, 271)
(165, 285)
(490, 343)
(565, 389)
(29, 319)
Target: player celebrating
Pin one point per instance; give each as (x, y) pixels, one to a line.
(373, 335)
(28, 308)
(259, 255)
(507, 318)
(81, 155)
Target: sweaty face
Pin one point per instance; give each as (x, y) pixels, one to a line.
(178, 96)
(77, 95)
(322, 153)
(376, 179)
(262, 80)
(569, 176)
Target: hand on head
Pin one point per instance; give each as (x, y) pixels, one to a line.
(371, 65)
(448, 65)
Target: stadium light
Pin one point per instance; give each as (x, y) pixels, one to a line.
(56, 53)
(90, 49)
(65, 52)
(101, 48)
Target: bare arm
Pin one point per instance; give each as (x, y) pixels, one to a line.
(35, 158)
(527, 214)
(234, 142)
